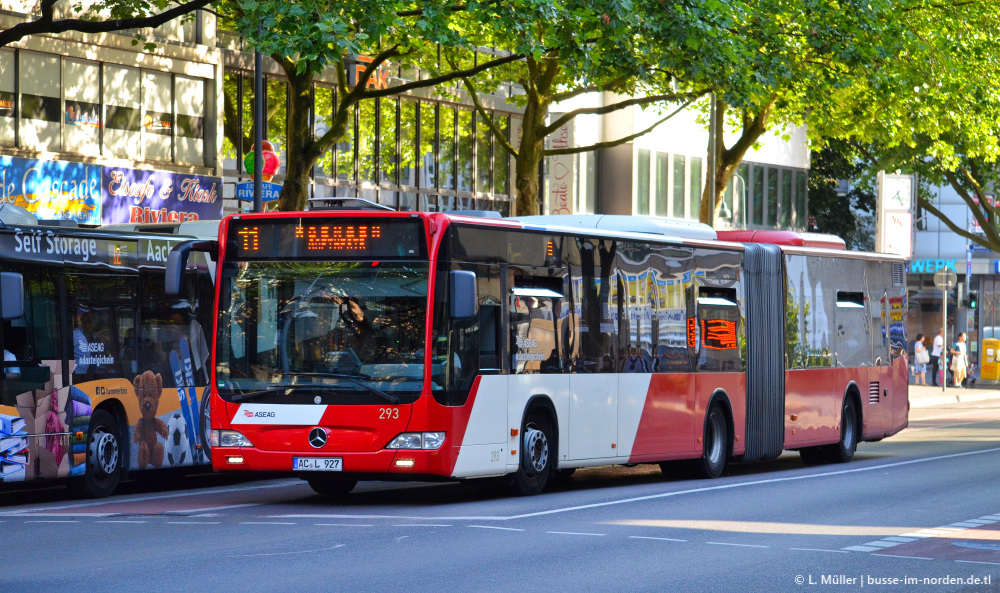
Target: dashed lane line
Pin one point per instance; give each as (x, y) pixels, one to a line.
(819, 550)
(736, 545)
(944, 530)
(660, 539)
(494, 527)
(575, 533)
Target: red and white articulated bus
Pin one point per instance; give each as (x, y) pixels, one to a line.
(367, 344)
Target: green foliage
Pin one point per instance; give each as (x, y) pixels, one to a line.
(850, 215)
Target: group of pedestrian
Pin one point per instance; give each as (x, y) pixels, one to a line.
(956, 362)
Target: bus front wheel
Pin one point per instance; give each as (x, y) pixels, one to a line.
(536, 455)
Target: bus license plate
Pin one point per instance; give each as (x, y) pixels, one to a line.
(318, 464)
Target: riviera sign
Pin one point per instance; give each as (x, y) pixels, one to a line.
(269, 191)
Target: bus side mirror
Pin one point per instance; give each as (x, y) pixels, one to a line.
(177, 262)
(462, 298)
(12, 289)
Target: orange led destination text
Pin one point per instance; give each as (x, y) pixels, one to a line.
(337, 237)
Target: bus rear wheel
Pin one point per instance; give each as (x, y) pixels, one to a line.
(104, 457)
(536, 455)
(332, 486)
(716, 441)
(843, 451)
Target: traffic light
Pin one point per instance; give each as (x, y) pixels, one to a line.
(973, 301)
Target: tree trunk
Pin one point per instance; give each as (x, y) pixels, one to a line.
(727, 160)
(532, 148)
(299, 149)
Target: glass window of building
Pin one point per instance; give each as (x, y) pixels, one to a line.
(758, 196)
(408, 144)
(41, 113)
(123, 112)
(428, 145)
(740, 195)
(800, 199)
(466, 140)
(586, 170)
(276, 108)
(786, 198)
(772, 197)
(642, 184)
(501, 162)
(446, 158)
(662, 176)
(345, 152)
(484, 155)
(82, 94)
(678, 195)
(190, 94)
(366, 141)
(324, 101)
(694, 188)
(387, 140)
(158, 119)
(8, 98)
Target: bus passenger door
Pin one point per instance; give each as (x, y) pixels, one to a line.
(538, 367)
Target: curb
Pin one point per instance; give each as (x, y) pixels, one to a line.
(951, 397)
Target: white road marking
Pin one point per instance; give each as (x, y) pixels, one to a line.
(145, 497)
(419, 525)
(662, 539)
(193, 522)
(895, 556)
(862, 548)
(267, 523)
(287, 553)
(978, 562)
(51, 521)
(738, 545)
(494, 527)
(342, 524)
(116, 521)
(575, 533)
(818, 550)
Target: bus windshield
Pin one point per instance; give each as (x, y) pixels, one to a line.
(298, 331)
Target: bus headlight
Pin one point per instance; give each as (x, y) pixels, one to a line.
(229, 438)
(417, 440)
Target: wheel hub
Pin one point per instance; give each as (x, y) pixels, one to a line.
(104, 452)
(536, 450)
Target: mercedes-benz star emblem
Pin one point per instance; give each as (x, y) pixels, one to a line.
(317, 437)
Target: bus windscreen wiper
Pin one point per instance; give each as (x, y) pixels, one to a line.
(239, 397)
(356, 380)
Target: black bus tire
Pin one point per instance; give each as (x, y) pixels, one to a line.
(105, 452)
(843, 451)
(536, 455)
(715, 441)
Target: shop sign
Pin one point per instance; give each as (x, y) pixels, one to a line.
(133, 195)
(52, 190)
(929, 266)
(269, 191)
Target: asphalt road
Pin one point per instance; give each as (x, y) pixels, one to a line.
(922, 505)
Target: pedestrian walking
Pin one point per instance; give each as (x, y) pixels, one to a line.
(936, 349)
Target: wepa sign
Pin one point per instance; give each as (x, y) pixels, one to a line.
(930, 266)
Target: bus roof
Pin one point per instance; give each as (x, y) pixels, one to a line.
(684, 229)
(784, 238)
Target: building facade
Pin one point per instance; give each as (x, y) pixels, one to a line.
(94, 129)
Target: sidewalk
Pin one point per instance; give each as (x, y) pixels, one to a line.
(923, 396)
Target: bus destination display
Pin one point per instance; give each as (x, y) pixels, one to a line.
(328, 239)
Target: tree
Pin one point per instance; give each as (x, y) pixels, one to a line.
(305, 39)
(808, 52)
(847, 215)
(104, 16)
(936, 110)
(652, 53)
